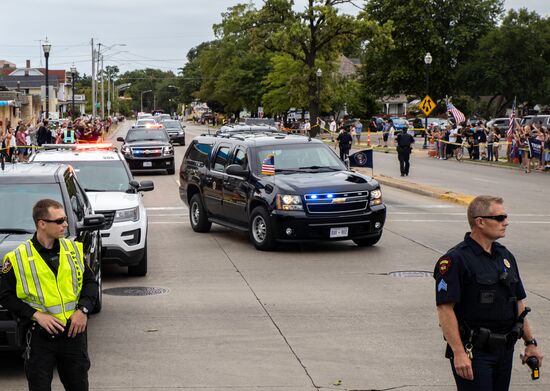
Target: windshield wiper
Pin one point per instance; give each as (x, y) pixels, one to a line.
(286, 170)
(319, 168)
(94, 190)
(15, 231)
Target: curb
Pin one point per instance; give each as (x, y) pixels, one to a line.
(425, 190)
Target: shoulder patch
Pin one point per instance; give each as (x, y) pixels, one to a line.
(6, 267)
(444, 265)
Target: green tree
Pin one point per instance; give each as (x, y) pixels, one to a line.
(449, 30)
(511, 60)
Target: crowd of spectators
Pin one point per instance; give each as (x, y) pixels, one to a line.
(17, 142)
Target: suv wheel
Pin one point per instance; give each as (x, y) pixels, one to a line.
(197, 215)
(140, 269)
(367, 242)
(261, 231)
(171, 171)
(99, 303)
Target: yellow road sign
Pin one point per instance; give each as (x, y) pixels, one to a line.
(427, 105)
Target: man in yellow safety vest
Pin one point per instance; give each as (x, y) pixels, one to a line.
(46, 283)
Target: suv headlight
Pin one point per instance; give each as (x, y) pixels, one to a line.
(131, 214)
(376, 197)
(289, 202)
(167, 151)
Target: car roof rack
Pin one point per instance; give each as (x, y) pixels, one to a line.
(77, 147)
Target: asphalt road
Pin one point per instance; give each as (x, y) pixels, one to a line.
(305, 317)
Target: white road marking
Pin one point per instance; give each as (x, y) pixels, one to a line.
(167, 208)
(484, 180)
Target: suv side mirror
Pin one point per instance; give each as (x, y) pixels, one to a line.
(121, 139)
(92, 223)
(146, 186)
(236, 170)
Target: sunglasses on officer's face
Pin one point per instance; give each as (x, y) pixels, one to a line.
(57, 221)
(499, 218)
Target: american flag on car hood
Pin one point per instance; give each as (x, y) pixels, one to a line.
(457, 114)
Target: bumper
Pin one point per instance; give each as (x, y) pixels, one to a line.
(11, 333)
(123, 242)
(177, 138)
(116, 255)
(312, 228)
(148, 164)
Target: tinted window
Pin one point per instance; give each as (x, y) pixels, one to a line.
(172, 125)
(199, 152)
(21, 198)
(76, 201)
(241, 158)
(146, 135)
(108, 175)
(221, 159)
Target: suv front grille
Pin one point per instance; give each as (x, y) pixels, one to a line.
(109, 217)
(146, 152)
(337, 202)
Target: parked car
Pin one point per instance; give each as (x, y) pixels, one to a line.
(103, 173)
(279, 188)
(543, 120)
(501, 123)
(21, 187)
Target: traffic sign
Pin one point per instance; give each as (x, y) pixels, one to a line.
(427, 105)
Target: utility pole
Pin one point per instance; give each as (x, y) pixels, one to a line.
(93, 82)
(109, 96)
(102, 91)
(98, 56)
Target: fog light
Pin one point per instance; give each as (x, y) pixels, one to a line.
(289, 231)
(377, 225)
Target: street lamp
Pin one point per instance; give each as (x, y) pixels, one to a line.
(46, 46)
(319, 74)
(144, 92)
(427, 61)
(73, 73)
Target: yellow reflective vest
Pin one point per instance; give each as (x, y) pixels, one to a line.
(38, 286)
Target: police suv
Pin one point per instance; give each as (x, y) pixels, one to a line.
(278, 188)
(113, 192)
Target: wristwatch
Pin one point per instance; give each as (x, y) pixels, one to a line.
(83, 309)
(531, 342)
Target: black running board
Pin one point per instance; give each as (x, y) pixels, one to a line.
(228, 225)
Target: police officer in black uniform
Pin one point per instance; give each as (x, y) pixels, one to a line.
(404, 149)
(479, 296)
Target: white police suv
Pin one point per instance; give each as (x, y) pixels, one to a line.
(113, 192)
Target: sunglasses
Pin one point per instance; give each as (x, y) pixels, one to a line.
(57, 221)
(499, 218)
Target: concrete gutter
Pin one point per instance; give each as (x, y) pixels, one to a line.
(425, 190)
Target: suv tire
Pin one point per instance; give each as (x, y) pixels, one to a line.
(260, 230)
(140, 269)
(367, 242)
(99, 303)
(197, 215)
(171, 171)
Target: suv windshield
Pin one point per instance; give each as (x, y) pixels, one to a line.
(299, 158)
(172, 125)
(101, 175)
(146, 134)
(18, 200)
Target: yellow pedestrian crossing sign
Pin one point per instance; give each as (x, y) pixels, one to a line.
(427, 105)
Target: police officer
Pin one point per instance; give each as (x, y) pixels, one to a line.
(404, 149)
(479, 296)
(45, 283)
(69, 135)
(344, 141)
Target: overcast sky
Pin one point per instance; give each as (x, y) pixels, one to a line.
(157, 33)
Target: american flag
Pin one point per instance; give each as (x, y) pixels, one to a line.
(510, 132)
(459, 117)
(268, 165)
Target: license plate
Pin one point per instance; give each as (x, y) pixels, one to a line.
(339, 232)
(147, 164)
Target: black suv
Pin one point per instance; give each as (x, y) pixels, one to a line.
(21, 186)
(175, 130)
(279, 188)
(147, 149)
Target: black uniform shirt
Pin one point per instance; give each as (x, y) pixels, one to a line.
(345, 139)
(8, 282)
(404, 141)
(470, 277)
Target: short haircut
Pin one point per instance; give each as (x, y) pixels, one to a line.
(40, 210)
(480, 207)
